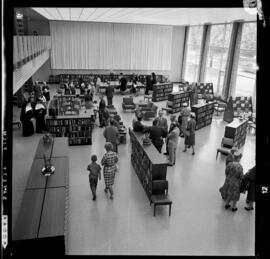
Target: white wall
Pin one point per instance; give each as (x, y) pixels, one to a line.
(43, 72)
(178, 38)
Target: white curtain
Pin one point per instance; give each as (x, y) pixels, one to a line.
(89, 45)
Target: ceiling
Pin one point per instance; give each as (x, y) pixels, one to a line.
(163, 16)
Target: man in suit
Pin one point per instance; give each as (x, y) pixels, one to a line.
(123, 84)
(172, 143)
(162, 121)
(109, 94)
(156, 135)
(111, 134)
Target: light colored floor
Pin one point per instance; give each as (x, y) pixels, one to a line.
(198, 225)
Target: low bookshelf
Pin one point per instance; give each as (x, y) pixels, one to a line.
(147, 162)
(204, 113)
(237, 130)
(176, 101)
(161, 91)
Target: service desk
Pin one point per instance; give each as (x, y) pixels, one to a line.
(41, 223)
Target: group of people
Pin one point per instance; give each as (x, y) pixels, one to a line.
(33, 109)
(185, 126)
(236, 182)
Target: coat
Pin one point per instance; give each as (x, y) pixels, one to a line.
(249, 180)
(231, 187)
(190, 136)
(111, 134)
(110, 91)
(173, 137)
(156, 135)
(162, 122)
(25, 118)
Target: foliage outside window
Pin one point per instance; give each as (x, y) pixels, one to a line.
(193, 53)
(217, 56)
(246, 72)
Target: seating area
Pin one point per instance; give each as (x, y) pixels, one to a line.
(148, 110)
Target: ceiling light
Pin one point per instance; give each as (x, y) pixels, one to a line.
(19, 15)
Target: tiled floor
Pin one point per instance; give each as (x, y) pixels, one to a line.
(199, 224)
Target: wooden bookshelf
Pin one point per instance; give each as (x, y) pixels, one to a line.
(43, 216)
(161, 91)
(204, 113)
(205, 89)
(147, 162)
(176, 101)
(237, 130)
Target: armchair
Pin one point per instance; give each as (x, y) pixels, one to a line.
(128, 103)
(226, 146)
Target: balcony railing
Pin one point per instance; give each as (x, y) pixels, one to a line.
(26, 48)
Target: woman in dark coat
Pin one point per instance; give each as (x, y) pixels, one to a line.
(26, 118)
(39, 113)
(190, 133)
(249, 181)
(154, 78)
(148, 84)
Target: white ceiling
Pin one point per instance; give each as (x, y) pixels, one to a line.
(165, 16)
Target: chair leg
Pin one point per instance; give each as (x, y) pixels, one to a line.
(217, 155)
(170, 209)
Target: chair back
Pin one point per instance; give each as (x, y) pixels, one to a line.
(128, 100)
(227, 142)
(160, 187)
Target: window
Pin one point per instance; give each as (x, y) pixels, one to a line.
(193, 53)
(246, 72)
(217, 56)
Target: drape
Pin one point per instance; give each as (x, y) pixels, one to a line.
(93, 45)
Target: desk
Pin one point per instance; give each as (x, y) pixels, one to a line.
(42, 218)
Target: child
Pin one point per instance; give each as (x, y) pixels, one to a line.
(94, 174)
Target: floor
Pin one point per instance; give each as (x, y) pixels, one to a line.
(198, 225)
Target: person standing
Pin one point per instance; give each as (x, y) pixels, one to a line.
(193, 94)
(230, 191)
(111, 134)
(123, 84)
(190, 133)
(88, 98)
(137, 124)
(109, 93)
(109, 161)
(185, 114)
(94, 174)
(98, 83)
(102, 106)
(162, 121)
(173, 142)
(156, 135)
(39, 114)
(249, 180)
(173, 119)
(26, 118)
(148, 86)
(154, 79)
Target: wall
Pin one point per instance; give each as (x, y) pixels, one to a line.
(40, 26)
(178, 41)
(43, 73)
(178, 37)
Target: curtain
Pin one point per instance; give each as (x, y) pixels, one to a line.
(90, 45)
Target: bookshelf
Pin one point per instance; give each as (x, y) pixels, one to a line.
(176, 101)
(237, 131)
(205, 89)
(147, 162)
(161, 91)
(78, 129)
(204, 113)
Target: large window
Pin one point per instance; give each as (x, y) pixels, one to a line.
(217, 56)
(246, 72)
(193, 53)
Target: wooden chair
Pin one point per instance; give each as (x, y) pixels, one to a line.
(160, 195)
(226, 145)
(220, 107)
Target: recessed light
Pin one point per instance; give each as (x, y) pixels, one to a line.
(19, 15)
